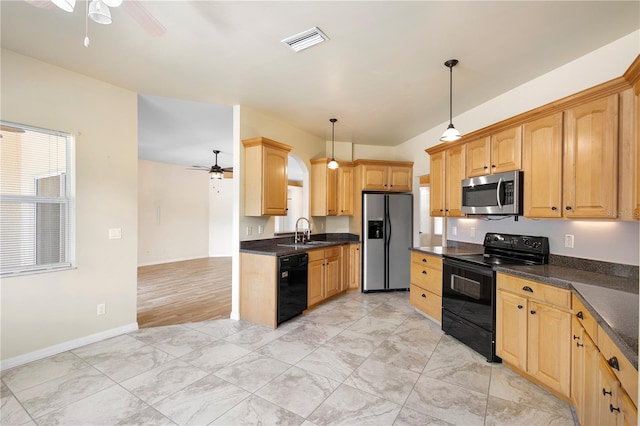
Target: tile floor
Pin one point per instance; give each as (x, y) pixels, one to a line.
(356, 360)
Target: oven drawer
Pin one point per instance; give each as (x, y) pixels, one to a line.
(428, 279)
(556, 296)
(427, 302)
(434, 262)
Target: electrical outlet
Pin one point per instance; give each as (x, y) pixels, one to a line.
(472, 232)
(101, 309)
(115, 233)
(249, 230)
(568, 240)
(454, 230)
(260, 229)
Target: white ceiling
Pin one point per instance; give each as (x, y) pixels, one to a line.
(381, 73)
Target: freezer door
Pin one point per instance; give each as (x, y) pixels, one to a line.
(373, 254)
(399, 231)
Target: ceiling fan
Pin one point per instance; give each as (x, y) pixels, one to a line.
(215, 171)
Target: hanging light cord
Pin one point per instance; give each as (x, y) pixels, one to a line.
(451, 93)
(333, 142)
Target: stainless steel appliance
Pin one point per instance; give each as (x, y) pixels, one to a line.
(497, 194)
(292, 286)
(387, 231)
(469, 287)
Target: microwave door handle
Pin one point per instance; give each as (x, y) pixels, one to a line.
(498, 193)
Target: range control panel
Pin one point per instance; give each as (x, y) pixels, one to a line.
(522, 243)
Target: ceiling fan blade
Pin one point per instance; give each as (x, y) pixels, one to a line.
(42, 4)
(228, 169)
(198, 168)
(144, 18)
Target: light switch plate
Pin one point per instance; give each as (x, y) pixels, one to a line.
(115, 233)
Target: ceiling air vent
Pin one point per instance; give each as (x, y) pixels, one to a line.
(306, 39)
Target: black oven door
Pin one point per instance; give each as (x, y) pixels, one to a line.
(468, 292)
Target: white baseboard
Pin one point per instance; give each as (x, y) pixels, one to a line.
(66, 346)
(235, 316)
(180, 259)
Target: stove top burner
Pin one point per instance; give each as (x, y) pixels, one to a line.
(508, 249)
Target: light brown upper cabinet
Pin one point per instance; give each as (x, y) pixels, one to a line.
(447, 172)
(575, 174)
(500, 152)
(379, 175)
(265, 177)
(331, 190)
(629, 156)
(590, 175)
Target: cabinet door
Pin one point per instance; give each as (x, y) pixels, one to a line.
(374, 177)
(354, 266)
(549, 337)
(478, 157)
(332, 276)
(332, 197)
(315, 283)
(275, 183)
(542, 166)
(590, 159)
(628, 415)
(345, 191)
(607, 405)
(628, 155)
(584, 375)
(455, 172)
(399, 178)
(438, 179)
(506, 150)
(511, 329)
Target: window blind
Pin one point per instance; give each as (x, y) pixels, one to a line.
(34, 200)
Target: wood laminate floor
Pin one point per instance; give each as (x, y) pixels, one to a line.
(182, 292)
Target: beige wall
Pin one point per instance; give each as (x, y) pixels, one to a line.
(220, 218)
(44, 310)
(173, 213)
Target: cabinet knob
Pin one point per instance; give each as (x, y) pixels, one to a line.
(554, 208)
(485, 167)
(424, 260)
(532, 312)
(580, 315)
(520, 306)
(579, 345)
(605, 393)
(493, 166)
(568, 208)
(612, 408)
(527, 288)
(424, 295)
(613, 363)
(576, 337)
(424, 272)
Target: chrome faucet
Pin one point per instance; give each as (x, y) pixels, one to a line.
(306, 233)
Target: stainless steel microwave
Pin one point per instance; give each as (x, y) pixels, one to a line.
(496, 194)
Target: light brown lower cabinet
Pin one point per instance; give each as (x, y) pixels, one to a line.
(325, 274)
(353, 273)
(426, 284)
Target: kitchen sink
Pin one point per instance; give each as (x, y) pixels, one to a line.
(306, 244)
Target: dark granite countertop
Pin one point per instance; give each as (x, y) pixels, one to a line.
(440, 251)
(611, 299)
(272, 247)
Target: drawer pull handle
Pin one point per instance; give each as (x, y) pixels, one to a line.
(576, 337)
(423, 259)
(554, 208)
(579, 345)
(527, 288)
(612, 408)
(520, 306)
(424, 272)
(605, 393)
(424, 295)
(580, 315)
(532, 312)
(613, 362)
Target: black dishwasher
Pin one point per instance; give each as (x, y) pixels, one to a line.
(292, 286)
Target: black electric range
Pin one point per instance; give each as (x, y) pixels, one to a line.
(469, 287)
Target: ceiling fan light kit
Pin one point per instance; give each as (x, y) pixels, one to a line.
(333, 164)
(99, 12)
(66, 5)
(451, 134)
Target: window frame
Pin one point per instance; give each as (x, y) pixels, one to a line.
(69, 199)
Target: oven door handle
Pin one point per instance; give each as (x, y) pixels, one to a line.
(487, 271)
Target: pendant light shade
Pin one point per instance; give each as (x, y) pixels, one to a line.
(333, 164)
(66, 5)
(99, 12)
(451, 134)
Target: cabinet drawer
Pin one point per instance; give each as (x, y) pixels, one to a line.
(585, 318)
(427, 278)
(625, 372)
(315, 255)
(426, 260)
(427, 302)
(559, 297)
(332, 251)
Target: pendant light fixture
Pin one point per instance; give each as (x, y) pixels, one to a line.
(333, 164)
(451, 134)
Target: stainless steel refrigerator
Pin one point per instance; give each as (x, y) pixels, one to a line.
(387, 231)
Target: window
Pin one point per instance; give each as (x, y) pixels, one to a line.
(36, 208)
